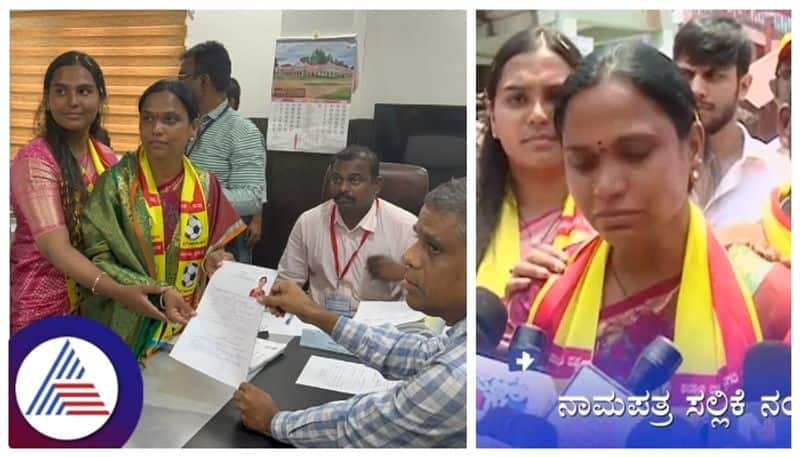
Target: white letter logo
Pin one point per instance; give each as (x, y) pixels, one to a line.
(67, 388)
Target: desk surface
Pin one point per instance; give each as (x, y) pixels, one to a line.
(278, 379)
(183, 407)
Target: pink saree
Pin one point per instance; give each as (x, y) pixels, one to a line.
(37, 288)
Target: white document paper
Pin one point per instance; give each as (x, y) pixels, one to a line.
(244, 280)
(289, 324)
(219, 340)
(341, 376)
(386, 312)
(264, 352)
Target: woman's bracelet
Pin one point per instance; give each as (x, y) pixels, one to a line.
(96, 280)
(161, 306)
(203, 265)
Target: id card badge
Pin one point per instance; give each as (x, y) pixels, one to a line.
(338, 303)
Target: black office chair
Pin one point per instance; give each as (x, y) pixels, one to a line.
(403, 184)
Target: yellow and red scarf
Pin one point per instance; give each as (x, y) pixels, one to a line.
(776, 223)
(100, 165)
(504, 248)
(193, 230)
(715, 320)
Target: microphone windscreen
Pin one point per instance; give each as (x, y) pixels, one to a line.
(491, 318)
(767, 369)
(528, 336)
(656, 364)
(530, 392)
(722, 437)
(532, 340)
(680, 434)
(517, 429)
(592, 431)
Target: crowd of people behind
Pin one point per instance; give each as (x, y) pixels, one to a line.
(619, 199)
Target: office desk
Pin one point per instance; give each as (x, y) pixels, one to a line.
(278, 378)
(184, 408)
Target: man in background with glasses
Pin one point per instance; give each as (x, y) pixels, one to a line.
(228, 144)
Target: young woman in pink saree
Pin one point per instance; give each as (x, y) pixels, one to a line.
(51, 177)
(522, 196)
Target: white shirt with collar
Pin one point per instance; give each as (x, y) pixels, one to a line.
(309, 254)
(743, 191)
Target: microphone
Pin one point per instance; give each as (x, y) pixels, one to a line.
(766, 371)
(529, 349)
(587, 383)
(680, 434)
(529, 392)
(767, 368)
(517, 429)
(509, 393)
(656, 364)
(491, 321)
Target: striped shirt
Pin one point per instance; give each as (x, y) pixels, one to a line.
(231, 147)
(427, 409)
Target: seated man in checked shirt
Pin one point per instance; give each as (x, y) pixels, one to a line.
(426, 409)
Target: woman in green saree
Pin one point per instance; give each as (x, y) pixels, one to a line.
(156, 219)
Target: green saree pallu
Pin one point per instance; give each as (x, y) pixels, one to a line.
(122, 239)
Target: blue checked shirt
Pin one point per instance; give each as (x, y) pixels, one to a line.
(427, 409)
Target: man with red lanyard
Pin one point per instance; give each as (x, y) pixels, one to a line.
(349, 248)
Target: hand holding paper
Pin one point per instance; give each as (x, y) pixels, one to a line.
(288, 297)
(175, 308)
(219, 341)
(215, 259)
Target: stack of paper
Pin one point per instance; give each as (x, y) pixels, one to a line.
(341, 376)
(264, 352)
(386, 312)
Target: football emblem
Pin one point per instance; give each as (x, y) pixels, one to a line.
(189, 275)
(194, 228)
